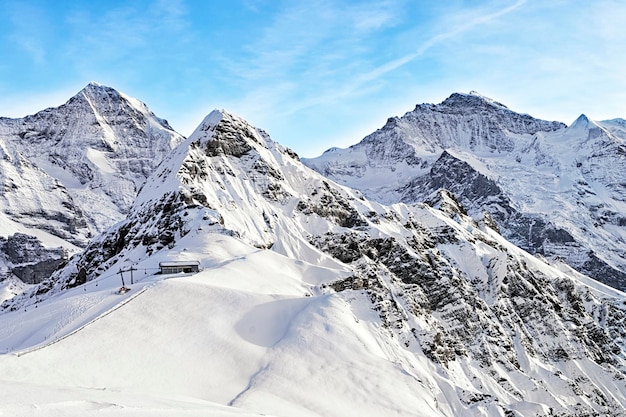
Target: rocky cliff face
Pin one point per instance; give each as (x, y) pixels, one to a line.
(101, 146)
(26, 258)
(503, 332)
(551, 189)
(69, 172)
(466, 121)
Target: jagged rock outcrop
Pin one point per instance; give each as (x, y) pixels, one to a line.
(100, 145)
(26, 258)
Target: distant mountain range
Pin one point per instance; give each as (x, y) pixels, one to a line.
(553, 190)
(430, 270)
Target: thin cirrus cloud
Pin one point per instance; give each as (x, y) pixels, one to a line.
(309, 53)
(344, 70)
(126, 34)
(319, 73)
(554, 60)
(304, 37)
(28, 27)
(438, 38)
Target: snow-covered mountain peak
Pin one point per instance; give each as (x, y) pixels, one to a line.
(596, 136)
(386, 160)
(97, 95)
(212, 119)
(107, 102)
(472, 100)
(74, 170)
(95, 86)
(229, 134)
(101, 138)
(208, 124)
(206, 128)
(469, 121)
(527, 173)
(221, 115)
(618, 121)
(583, 123)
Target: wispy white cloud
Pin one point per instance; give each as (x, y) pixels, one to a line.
(255, 5)
(372, 17)
(329, 56)
(171, 14)
(553, 60)
(304, 69)
(130, 33)
(305, 35)
(308, 49)
(30, 30)
(430, 43)
(361, 81)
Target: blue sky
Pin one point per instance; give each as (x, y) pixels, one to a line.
(316, 74)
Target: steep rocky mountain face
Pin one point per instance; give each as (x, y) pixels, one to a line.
(471, 322)
(553, 190)
(69, 172)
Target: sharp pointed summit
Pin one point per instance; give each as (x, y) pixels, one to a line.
(80, 165)
(581, 121)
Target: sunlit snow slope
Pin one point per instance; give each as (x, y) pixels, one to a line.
(311, 301)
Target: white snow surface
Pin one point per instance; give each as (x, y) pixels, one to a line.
(70, 172)
(248, 335)
(229, 335)
(264, 329)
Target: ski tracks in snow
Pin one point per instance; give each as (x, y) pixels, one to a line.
(87, 321)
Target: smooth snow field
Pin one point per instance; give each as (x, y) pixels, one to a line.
(246, 336)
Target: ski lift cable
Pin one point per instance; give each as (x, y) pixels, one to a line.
(101, 278)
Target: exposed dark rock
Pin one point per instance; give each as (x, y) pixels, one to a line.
(29, 259)
(469, 188)
(331, 204)
(38, 272)
(229, 139)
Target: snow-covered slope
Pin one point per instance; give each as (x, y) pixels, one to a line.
(311, 301)
(100, 146)
(69, 172)
(553, 190)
